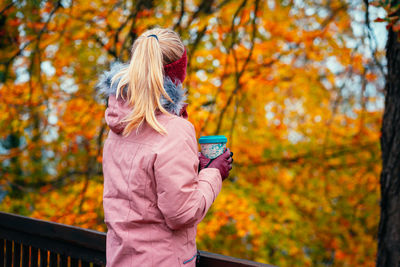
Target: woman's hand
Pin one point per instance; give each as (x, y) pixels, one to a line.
(223, 163)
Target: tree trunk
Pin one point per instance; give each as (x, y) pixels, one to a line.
(389, 225)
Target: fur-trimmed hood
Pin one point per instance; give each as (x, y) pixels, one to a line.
(120, 108)
(174, 90)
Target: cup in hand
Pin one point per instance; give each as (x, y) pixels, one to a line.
(212, 145)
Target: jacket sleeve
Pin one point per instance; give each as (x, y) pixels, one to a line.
(184, 195)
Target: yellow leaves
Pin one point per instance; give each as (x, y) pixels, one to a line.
(17, 94)
(357, 61)
(303, 176)
(79, 112)
(63, 206)
(228, 209)
(286, 177)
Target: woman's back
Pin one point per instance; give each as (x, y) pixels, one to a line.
(153, 196)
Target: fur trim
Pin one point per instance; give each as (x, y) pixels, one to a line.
(104, 84)
(175, 91)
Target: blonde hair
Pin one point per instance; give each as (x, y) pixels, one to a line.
(144, 77)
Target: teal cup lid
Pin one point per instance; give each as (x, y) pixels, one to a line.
(211, 139)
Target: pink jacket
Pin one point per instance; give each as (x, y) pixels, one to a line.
(153, 195)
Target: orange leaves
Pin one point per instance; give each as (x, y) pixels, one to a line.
(396, 27)
(371, 77)
(304, 187)
(64, 206)
(232, 209)
(340, 255)
(78, 112)
(14, 22)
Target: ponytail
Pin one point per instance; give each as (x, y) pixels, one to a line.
(144, 78)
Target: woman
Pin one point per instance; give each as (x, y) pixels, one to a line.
(157, 186)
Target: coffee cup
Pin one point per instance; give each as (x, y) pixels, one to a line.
(212, 145)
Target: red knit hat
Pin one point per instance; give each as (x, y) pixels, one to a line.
(177, 69)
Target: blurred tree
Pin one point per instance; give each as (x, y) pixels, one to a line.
(389, 225)
(296, 86)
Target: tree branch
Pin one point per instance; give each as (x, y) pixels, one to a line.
(239, 74)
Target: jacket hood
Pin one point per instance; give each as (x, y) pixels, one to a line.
(118, 109)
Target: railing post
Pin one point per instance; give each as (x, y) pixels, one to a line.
(34, 257)
(2, 254)
(8, 253)
(17, 254)
(43, 258)
(25, 255)
(74, 262)
(64, 260)
(53, 259)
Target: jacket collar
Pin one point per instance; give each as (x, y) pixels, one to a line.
(174, 90)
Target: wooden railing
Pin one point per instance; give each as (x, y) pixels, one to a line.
(29, 242)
